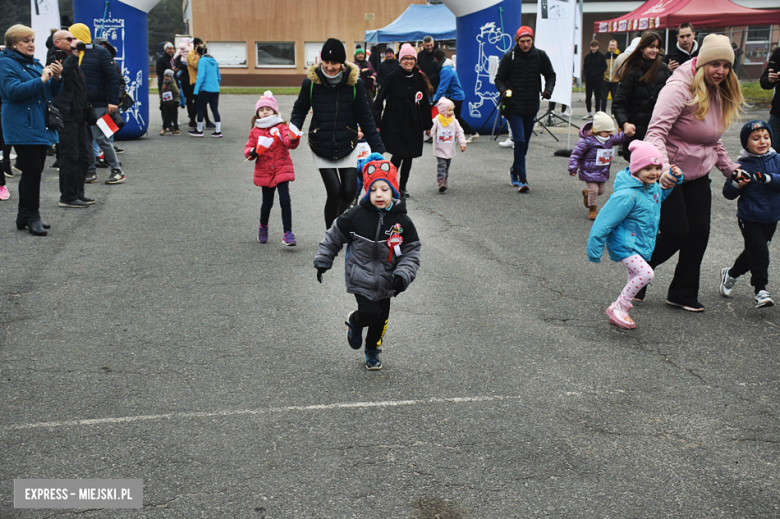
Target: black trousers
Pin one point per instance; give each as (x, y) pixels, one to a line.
(404, 167)
(685, 227)
(372, 315)
(6, 158)
(340, 186)
(191, 99)
(170, 116)
(210, 99)
(593, 88)
(30, 159)
(467, 129)
(755, 257)
(284, 203)
(606, 89)
(74, 149)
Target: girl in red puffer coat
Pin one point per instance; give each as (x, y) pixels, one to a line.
(268, 145)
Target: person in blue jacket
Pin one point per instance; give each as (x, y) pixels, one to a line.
(628, 225)
(757, 185)
(207, 90)
(26, 88)
(450, 87)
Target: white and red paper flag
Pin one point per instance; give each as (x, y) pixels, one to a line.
(107, 125)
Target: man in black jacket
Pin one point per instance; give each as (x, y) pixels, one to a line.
(103, 93)
(75, 144)
(427, 64)
(771, 79)
(687, 47)
(390, 64)
(519, 81)
(593, 70)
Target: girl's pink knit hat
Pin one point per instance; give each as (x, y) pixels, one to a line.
(406, 50)
(267, 100)
(643, 154)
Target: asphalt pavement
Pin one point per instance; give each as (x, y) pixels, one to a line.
(151, 336)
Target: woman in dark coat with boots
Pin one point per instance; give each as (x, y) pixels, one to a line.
(407, 115)
(335, 94)
(642, 76)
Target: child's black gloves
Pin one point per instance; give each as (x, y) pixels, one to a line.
(761, 177)
(320, 272)
(398, 285)
(252, 154)
(739, 175)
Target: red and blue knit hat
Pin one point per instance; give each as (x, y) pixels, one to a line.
(380, 170)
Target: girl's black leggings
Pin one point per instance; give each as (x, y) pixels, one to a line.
(340, 186)
(284, 203)
(404, 167)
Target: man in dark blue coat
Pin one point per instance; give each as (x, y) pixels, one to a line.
(103, 93)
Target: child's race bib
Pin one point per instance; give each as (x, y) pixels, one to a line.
(167, 96)
(364, 150)
(445, 135)
(604, 157)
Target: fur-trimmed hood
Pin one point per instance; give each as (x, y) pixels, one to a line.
(352, 77)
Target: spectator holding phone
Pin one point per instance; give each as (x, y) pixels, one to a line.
(771, 79)
(687, 47)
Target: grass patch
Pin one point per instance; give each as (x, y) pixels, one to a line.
(754, 91)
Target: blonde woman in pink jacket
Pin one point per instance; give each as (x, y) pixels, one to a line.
(698, 103)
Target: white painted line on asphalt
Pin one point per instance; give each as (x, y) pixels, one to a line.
(239, 412)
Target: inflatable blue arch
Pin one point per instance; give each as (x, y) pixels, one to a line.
(124, 24)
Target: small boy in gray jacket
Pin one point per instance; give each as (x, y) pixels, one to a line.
(383, 255)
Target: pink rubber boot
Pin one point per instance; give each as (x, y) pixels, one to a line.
(618, 314)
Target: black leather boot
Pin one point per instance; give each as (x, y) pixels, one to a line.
(36, 228)
(22, 221)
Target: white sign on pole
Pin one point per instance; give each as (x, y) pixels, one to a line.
(555, 35)
(578, 42)
(45, 17)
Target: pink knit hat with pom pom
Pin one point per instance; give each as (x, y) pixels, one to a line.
(267, 100)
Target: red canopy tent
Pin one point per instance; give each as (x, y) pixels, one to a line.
(663, 14)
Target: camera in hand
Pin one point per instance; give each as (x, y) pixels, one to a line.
(60, 55)
(81, 46)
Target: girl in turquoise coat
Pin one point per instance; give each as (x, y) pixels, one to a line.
(628, 225)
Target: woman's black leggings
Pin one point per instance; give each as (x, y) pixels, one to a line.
(340, 186)
(404, 166)
(212, 100)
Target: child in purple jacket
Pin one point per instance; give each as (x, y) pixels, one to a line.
(593, 156)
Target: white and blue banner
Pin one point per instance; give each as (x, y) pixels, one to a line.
(555, 35)
(45, 16)
(485, 32)
(124, 25)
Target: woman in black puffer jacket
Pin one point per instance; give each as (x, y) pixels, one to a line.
(335, 93)
(642, 76)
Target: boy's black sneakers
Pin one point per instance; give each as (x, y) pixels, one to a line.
(196, 133)
(354, 334)
(372, 359)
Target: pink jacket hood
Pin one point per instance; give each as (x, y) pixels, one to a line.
(694, 146)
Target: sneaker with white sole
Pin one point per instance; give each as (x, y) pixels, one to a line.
(507, 144)
(4, 193)
(763, 299)
(289, 239)
(262, 233)
(217, 135)
(726, 282)
(354, 333)
(196, 133)
(372, 359)
(116, 177)
(472, 138)
(523, 186)
(513, 178)
(693, 306)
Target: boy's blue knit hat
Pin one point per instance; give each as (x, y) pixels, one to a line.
(750, 127)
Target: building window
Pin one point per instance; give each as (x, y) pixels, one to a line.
(757, 44)
(275, 54)
(229, 54)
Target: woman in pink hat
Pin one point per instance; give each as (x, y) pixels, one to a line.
(403, 113)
